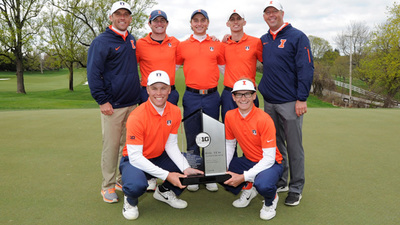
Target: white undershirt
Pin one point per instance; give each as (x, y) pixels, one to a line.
(280, 28)
(159, 109)
(200, 37)
(123, 33)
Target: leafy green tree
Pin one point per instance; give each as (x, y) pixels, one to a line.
(73, 24)
(62, 33)
(330, 57)
(340, 67)
(319, 46)
(32, 61)
(382, 64)
(7, 61)
(322, 79)
(19, 22)
(323, 61)
(94, 17)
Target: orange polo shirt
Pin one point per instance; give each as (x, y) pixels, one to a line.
(145, 126)
(253, 133)
(200, 62)
(152, 56)
(241, 59)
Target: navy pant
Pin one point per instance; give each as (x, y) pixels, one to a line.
(265, 181)
(191, 102)
(134, 180)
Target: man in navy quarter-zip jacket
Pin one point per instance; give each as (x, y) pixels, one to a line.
(114, 84)
(285, 86)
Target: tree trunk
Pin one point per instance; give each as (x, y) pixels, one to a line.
(20, 72)
(71, 75)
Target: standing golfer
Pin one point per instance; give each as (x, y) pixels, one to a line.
(285, 86)
(241, 53)
(260, 164)
(157, 51)
(200, 56)
(114, 84)
(152, 149)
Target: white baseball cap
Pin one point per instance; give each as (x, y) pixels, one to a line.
(158, 76)
(120, 5)
(274, 3)
(243, 85)
(236, 11)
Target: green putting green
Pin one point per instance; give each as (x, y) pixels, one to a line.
(50, 173)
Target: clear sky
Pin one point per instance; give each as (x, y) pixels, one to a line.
(321, 18)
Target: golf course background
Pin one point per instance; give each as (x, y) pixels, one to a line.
(50, 145)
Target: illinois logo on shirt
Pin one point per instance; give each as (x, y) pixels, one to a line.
(132, 137)
(282, 45)
(254, 132)
(247, 48)
(169, 122)
(211, 48)
(169, 45)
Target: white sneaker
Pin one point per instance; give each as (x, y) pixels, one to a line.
(212, 187)
(170, 198)
(282, 189)
(193, 187)
(152, 184)
(245, 198)
(267, 212)
(130, 212)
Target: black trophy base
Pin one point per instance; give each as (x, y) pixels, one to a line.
(201, 179)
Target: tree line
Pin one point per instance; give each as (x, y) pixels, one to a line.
(62, 29)
(50, 34)
(369, 55)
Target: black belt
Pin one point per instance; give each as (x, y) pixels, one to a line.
(228, 88)
(172, 87)
(203, 91)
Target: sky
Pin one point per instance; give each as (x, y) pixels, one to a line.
(322, 18)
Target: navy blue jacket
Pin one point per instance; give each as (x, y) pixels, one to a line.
(112, 70)
(288, 66)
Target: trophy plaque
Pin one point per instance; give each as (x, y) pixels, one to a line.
(205, 135)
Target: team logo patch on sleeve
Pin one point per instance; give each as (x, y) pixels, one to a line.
(169, 122)
(254, 132)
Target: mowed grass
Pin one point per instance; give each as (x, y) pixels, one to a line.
(50, 91)
(45, 91)
(50, 173)
(50, 164)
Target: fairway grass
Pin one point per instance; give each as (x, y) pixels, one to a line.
(50, 173)
(50, 91)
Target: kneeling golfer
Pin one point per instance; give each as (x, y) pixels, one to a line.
(152, 149)
(254, 130)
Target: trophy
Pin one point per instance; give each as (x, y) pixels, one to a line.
(206, 136)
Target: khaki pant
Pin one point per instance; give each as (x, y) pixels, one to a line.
(113, 130)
